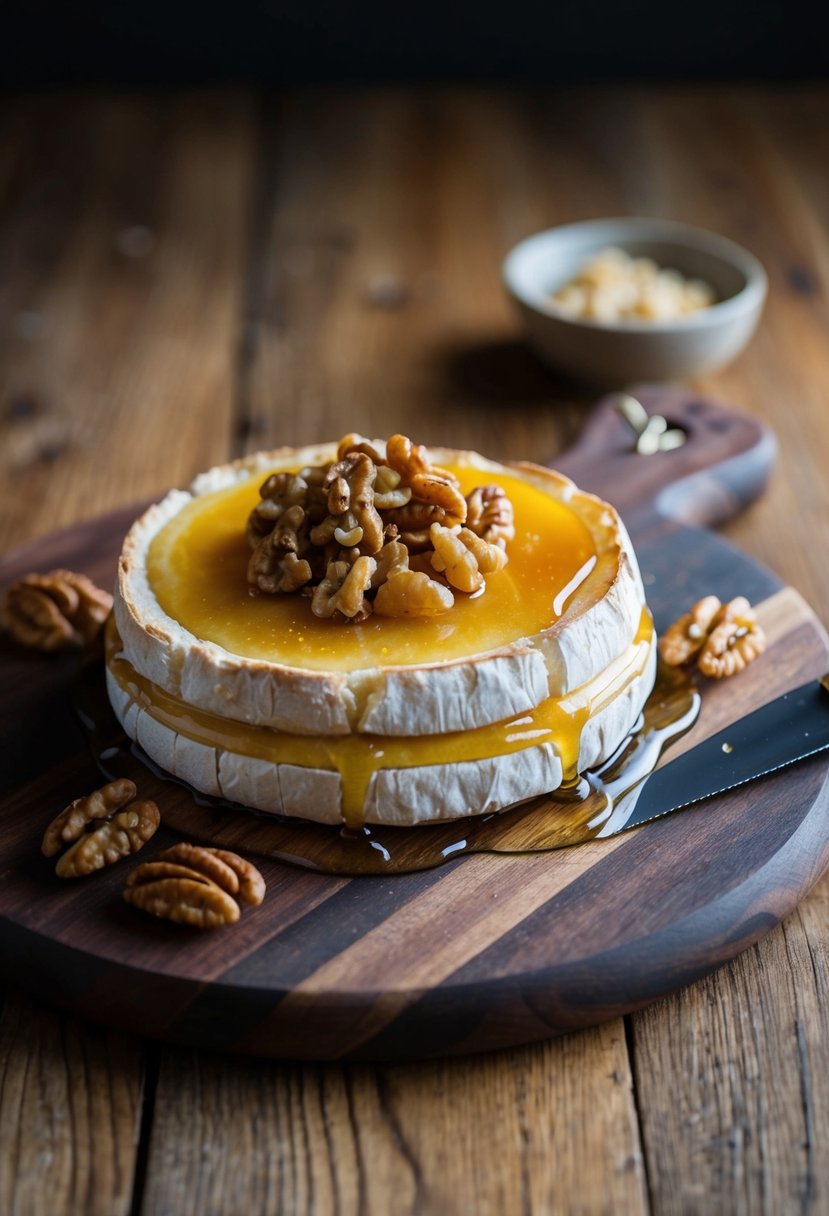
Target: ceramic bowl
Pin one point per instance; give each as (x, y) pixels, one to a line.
(622, 352)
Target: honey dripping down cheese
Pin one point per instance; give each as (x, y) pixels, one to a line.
(559, 721)
(568, 817)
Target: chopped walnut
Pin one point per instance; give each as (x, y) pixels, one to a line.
(275, 564)
(316, 500)
(279, 492)
(55, 611)
(489, 556)
(352, 518)
(343, 590)
(392, 558)
(73, 819)
(489, 514)
(357, 443)
(313, 531)
(413, 522)
(389, 493)
(455, 560)
(195, 885)
(100, 828)
(723, 638)
(412, 593)
(441, 492)
(429, 483)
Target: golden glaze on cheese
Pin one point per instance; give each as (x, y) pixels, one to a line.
(197, 570)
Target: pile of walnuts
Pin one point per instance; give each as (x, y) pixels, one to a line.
(379, 529)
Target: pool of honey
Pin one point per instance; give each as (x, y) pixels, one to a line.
(595, 804)
(197, 568)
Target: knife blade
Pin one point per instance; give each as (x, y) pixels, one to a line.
(777, 735)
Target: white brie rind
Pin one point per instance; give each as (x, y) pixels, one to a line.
(598, 624)
(397, 796)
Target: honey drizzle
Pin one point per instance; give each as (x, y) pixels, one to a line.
(197, 569)
(595, 805)
(356, 757)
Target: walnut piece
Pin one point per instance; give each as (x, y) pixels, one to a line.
(389, 493)
(100, 829)
(195, 885)
(723, 638)
(413, 521)
(228, 870)
(55, 611)
(125, 833)
(392, 558)
(735, 641)
(352, 518)
(412, 593)
(275, 564)
(685, 638)
(358, 443)
(279, 492)
(343, 590)
(489, 556)
(73, 819)
(191, 901)
(614, 286)
(429, 484)
(455, 560)
(489, 514)
(341, 531)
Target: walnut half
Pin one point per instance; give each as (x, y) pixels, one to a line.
(723, 638)
(55, 611)
(685, 638)
(195, 885)
(735, 641)
(100, 829)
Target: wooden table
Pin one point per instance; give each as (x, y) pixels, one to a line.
(184, 278)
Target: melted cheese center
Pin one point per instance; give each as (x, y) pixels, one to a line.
(558, 721)
(197, 567)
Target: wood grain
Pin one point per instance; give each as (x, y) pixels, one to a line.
(465, 175)
(123, 249)
(56, 1072)
(502, 1135)
(749, 1058)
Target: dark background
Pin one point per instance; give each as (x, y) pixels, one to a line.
(58, 42)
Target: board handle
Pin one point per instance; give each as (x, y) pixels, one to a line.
(723, 465)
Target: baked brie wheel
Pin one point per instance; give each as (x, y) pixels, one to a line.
(256, 700)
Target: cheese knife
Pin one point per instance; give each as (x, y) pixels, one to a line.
(771, 738)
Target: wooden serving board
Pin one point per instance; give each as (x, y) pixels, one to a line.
(487, 951)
